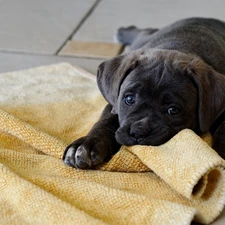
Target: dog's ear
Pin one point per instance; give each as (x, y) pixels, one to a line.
(211, 93)
(112, 73)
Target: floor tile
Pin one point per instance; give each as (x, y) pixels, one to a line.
(109, 15)
(39, 26)
(91, 49)
(13, 62)
(220, 220)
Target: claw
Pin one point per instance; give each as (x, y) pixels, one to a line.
(82, 158)
(68, 157)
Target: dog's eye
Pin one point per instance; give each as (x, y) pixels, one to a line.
(129, 99)
(173, 110)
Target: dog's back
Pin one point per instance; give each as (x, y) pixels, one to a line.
(198, 36)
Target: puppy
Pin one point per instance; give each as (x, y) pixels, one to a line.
(172, 79)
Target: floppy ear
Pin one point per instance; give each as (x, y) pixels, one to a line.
(211, 91)
(112, 73)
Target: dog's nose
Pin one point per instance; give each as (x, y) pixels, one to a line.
(139, 130)
(138, 134)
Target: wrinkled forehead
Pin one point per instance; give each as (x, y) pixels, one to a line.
(158, 80)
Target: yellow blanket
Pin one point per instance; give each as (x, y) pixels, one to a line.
(46, 108)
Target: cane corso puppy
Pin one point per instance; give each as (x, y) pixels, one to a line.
(173, 78)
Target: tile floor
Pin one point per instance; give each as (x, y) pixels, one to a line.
(34, 32)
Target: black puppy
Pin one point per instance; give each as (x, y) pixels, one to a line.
(172, 79)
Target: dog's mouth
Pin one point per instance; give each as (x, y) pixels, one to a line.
(126, 137)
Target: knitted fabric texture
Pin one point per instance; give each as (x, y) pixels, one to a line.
(43, 110)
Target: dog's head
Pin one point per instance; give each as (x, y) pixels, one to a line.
(157, 93)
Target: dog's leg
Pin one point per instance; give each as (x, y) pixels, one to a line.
(129, 35)
(134, 37)
(97, 146)
(126, 35)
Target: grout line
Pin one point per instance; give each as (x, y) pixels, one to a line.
(22, 52)
(79, 25)
(47, 55)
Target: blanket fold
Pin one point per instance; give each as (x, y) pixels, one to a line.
(47, 108)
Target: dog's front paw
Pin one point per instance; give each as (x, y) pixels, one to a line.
(86, 152)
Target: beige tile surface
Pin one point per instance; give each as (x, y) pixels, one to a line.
(12, 62)
(91, 49)
(39, 26)
(109, 15)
